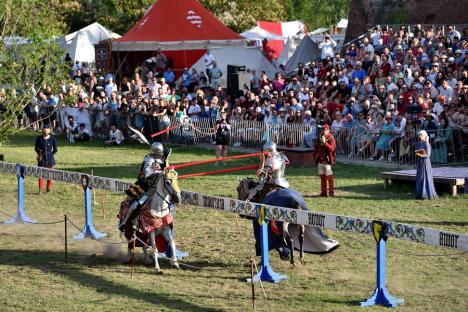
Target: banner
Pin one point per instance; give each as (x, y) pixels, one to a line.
(396, 230)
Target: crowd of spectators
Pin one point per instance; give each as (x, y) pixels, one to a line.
(376, 93)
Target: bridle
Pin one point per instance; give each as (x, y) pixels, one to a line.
(169, 190)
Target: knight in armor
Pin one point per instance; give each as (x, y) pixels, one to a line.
(272, 170)
(153, 165)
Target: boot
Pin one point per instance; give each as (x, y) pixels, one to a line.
(49, 186)
(130, 212)
(41, 185)
(323, 185)
(331, 186)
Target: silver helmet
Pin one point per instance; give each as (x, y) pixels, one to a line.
(157, 149)
(270, 147)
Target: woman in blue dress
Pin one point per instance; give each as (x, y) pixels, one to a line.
(424, 180)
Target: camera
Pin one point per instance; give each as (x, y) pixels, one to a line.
(414, 109)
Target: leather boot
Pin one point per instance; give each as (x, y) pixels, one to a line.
(331, 186)
(323, 185)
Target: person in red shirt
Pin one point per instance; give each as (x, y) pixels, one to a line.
(325, 158)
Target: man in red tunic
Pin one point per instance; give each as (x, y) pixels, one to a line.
(325, 158)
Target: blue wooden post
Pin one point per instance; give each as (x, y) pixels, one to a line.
(89, 229)
(20, 213)
(266, 272)
(381, 295)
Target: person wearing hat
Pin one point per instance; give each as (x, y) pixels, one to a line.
(429, 124)
(46, 148)
(325, 158)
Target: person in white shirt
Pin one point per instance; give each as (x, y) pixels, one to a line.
(209, 63)
(453, 33)
(368, 48)
(376, 37)
(446, 91)
(110, 87)
(115, 136)
(71, 129)
(327, 46)
(194, 110)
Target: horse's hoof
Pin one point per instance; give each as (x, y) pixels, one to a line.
(158, 271)
(293, 266)
(176, 265)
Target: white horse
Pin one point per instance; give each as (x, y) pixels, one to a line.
(156, 216)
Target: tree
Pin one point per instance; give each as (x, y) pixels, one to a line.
(317, 13)
(26, 63)
(242, 14)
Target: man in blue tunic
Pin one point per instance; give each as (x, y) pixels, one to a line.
(45, 147)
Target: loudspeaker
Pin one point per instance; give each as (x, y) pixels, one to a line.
(232, 84)
(233, 69)
(238, 83)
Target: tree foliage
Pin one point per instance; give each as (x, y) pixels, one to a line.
(242, 14)
(27, 64)
(317, 13)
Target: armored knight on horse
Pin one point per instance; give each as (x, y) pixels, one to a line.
(273, 189)
(147, 212)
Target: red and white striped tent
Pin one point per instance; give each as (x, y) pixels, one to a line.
(182, 29)
(284, 29)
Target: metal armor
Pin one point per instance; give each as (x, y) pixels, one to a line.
(152, 165)
(275, 166)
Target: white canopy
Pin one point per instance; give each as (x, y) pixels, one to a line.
(80, 44)
(343, 23)
(250, 57)
(258, 33)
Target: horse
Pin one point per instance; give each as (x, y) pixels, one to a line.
(153, 225)
(280, 234)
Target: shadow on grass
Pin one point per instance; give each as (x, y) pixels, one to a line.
(46, 261)
(449, 223)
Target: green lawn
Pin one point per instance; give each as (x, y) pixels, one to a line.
(35, 277)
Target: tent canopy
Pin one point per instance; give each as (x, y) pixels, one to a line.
(307, 51)
(284, 29)
(250, 57)
(95, 32)
(177, 25)
(80, 44)
(257, 33)
(343, 23)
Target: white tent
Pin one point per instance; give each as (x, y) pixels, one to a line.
(80, 44)
(289, 49)
(343, 23)
(257, 33)
(307, 51)
(250, 57)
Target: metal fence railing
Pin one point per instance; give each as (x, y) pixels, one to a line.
(449, 146)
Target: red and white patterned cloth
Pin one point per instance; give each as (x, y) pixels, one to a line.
(150, 222)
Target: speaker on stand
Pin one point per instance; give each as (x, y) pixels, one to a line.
(237, 80)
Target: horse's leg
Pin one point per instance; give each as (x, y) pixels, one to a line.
(301, 242)
(146, 257)
(168, 237)
(155, 251)
(289, 241)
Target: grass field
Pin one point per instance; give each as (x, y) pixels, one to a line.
(35, 277)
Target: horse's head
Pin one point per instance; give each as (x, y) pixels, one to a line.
(171, 185)
(244, 187)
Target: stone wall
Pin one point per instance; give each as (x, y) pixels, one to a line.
(367, 13)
